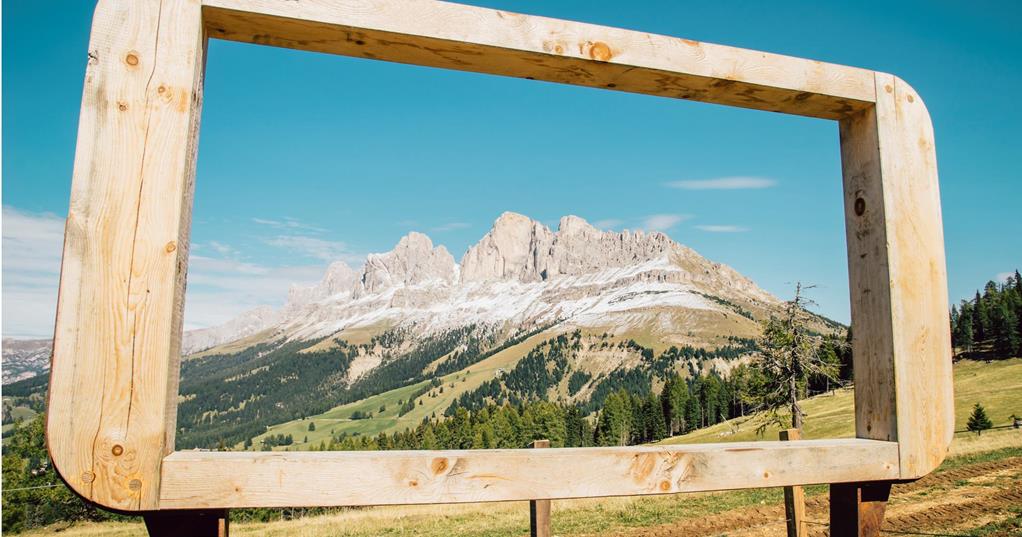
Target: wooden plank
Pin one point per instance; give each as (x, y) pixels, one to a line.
(918, 278)
(902, 347)
(539, 510)
(199, 479)
(113, 386)
(210, 523)
(794, 497)
(869, 276)
(857, 509)
(114, 376)
(468, 38)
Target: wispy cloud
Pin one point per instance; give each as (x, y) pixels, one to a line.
(451, 226)
(32, 246)
(221, 289)
(663, 222)
(223, 249)
(722, 228)
(288, 223)
(1004, 276)
(724, 183)
(607, 224)
(312, 247)
(221, 283)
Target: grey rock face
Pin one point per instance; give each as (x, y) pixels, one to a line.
(414, 260)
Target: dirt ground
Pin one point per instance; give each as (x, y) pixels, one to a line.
(956, 502)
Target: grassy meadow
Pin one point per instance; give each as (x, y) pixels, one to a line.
(997, 385)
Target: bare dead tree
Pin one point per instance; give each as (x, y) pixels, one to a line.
(789, 356)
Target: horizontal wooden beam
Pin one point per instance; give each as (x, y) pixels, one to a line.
(202, 479)
(467, 38)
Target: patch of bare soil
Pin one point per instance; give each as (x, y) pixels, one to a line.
(958, 500)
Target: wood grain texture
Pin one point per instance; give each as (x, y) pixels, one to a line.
(279, 479)
(869, 277)
(902, 340)
(918, 278)
(794, 497)
(539, 510)
(114, 376)
(112, 401)
(467, 38)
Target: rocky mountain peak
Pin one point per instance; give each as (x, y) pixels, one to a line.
(523, 249)
(575, 225)
(414, 260)
(513, 249)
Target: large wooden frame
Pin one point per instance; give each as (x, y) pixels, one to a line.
(114, 380)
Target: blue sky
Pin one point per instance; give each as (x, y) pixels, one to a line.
(306, 158)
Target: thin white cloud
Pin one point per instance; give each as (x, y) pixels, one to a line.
(607, 224)
(32, 247)
(451, 226)
(723, 228)
(1004, 276)
(224, 250)
(221, 289)
(221, 285)
(288, 223)
(724, 183)
(663, 222)
(312, 247)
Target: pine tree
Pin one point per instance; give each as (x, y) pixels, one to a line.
(789, 357)
(978, 421)
(673, 399)
(312, 426)
(658, 425)
(963, 333)
(980, 319)
(1005, 331)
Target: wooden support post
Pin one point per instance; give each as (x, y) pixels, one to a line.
(794, 498)
(539, 510)
(857, 509)
(187, 523)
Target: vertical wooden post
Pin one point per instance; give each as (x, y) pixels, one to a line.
(794, 498)
(539, 510)
(206, 523)
(857, 509)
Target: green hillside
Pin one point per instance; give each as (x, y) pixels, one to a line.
(338, 419)
(997, 385)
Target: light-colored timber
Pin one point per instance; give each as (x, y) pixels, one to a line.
(539, 510)
(794, 497)
(112, 401)
(114, 377)
(900, 348)
(467, 38)
(291, 478)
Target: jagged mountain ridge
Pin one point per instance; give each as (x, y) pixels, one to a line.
(520, 273)
(25, 358)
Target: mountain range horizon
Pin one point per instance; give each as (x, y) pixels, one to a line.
(520, 272)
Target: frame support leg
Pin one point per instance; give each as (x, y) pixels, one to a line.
(857, 509)
(539, 510)
(204, 523)
(794, 498)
